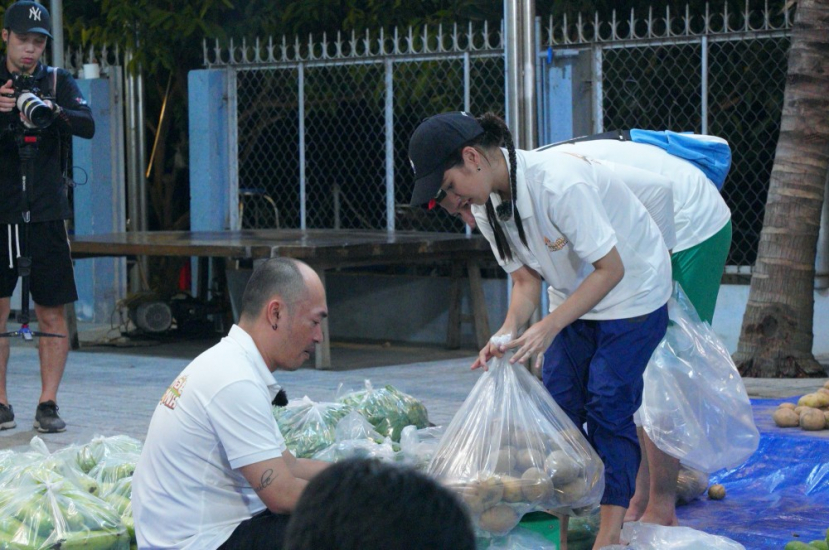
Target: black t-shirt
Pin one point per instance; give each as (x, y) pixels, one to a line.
(46, 191)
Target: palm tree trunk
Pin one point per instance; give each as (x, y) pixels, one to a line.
(776, 338)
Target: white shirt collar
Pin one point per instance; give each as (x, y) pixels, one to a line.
(244, 340)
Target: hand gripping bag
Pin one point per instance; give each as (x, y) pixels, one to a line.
(694, 403)
(510, 450)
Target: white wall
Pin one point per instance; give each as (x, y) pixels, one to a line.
(731, 305)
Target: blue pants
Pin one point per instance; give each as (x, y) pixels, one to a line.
(593, 370)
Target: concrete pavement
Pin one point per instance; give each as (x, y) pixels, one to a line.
(112, 390)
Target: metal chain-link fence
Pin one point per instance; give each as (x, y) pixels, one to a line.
(322, 128)
(722, 74)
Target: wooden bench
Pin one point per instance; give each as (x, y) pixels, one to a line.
(322, 250)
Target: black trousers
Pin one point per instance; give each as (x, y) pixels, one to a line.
(264, 531)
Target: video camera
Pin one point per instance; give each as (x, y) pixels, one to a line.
(28, 97)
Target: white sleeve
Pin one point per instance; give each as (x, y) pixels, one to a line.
(244, 424)
(655, 192)
(579, 215)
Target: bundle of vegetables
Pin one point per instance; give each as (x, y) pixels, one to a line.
(112, 468)
(387, 409)
(16, 467)
(307, 426)
(355, 437)
(46, 511)
(93, 452)
(119, 496)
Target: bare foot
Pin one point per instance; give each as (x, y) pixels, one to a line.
(635, 509)
(667, 520)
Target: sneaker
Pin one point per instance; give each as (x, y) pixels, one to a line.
(47, 419)
(6, 417)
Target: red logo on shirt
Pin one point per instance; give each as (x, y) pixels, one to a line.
(173, 392)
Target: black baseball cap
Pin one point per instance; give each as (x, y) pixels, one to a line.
(431, 145)
(27, 16)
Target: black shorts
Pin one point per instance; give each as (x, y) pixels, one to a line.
(264, 531)
(52, 279)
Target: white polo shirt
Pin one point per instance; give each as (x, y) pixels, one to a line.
(699, 209)
(574, 212)
(215, 418)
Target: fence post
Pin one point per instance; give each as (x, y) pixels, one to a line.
(389, 117)
(209, 151)
(100, 204)
(704, 84)
(596, 79)
(301, 104)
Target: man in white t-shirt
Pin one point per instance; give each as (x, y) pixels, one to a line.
(215, 471)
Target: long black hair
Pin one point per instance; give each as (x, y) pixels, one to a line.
(496, 134)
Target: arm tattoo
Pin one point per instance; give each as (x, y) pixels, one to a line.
(266, 479)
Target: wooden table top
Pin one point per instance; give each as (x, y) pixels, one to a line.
(320, 247)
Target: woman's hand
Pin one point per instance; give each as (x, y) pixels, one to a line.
(534, 341)
(492, 349)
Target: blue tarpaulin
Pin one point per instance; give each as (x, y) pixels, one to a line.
(780, 494)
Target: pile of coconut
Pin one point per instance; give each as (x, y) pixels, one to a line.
(810, 413)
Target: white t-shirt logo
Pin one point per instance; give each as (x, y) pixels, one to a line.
(34, 13)
(173, 392)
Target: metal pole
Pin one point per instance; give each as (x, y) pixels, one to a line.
(301, 93)
(234, 222)
(141, 142)
(389, 117)
(519, 49)
(467, 103)
(528, 57)
(56, 9)
(596, 77)
(704, 85)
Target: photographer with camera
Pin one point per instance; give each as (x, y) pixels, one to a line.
(41, 107)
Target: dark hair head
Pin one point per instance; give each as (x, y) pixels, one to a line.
(275, 277)
(363, 504)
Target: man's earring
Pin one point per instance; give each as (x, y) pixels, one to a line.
(479, 168)
(273, 326)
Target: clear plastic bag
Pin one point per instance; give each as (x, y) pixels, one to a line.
(386, 451)
(90, 454)
(690, 484)
(647, 536)
(694, 404)
(17, 467)
(510, 450)
(419, 446)
(517, 539)
(112, 468)
(388, 409)
(119, 496)
(308, 426)
(46, 511)
(356, 438)
(355, 426)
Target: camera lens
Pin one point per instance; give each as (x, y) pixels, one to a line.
(35, 109)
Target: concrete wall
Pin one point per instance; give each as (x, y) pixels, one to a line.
(415, 309)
